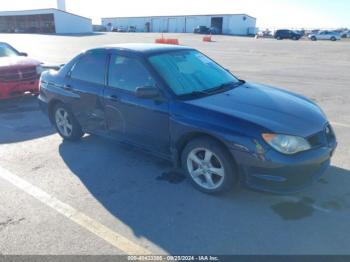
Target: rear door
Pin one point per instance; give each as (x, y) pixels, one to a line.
(85, 85)
(140, 121)
(289, 34)
(283, 34)
(323, 35)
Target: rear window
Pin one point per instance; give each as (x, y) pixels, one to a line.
(91, 68)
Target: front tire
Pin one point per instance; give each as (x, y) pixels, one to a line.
(313, 38)
(333, 39)
(209, 166)
(66, 124)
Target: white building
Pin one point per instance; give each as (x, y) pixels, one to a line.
(44, 21)
(232, 24)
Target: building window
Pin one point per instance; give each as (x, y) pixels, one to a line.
(44, 23)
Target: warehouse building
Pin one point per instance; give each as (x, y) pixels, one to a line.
(44, 21)
(231, 24)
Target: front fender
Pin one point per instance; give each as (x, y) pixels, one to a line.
(185, 127)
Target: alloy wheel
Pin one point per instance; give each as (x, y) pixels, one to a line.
(205, 168)
(63, 122)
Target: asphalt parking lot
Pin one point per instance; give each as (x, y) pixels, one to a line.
(99, 197)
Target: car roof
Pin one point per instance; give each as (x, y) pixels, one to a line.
(144, 48)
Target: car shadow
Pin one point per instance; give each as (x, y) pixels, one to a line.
(159, 204)
(21, 120)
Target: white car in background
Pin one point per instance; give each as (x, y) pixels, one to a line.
(325, 35)
(346, 34)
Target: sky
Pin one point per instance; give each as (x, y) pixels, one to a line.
(269, 13)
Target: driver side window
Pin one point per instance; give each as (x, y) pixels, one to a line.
(128, 73)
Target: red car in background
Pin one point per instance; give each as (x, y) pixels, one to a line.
(18, 73)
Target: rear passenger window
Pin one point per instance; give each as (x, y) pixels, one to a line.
(128, 73)
(91, 68)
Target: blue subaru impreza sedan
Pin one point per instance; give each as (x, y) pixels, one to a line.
(176, 102)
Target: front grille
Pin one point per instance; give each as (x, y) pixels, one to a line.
(322, 138)
(316, 139)
(26, 74)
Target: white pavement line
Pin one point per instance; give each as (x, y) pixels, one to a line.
(340, 124)
(110, 236)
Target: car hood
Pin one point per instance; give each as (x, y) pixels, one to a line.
(17, 61)
(274, 109)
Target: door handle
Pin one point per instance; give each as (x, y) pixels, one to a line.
(67, 87)
(114, 98)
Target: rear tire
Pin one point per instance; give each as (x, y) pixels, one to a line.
(333, 39)
(66, 124)
(209, 166)
(313, 38)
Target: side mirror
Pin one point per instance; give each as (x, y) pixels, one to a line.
(147, 92)
(23, 54)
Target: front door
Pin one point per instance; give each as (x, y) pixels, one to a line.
(140, 121)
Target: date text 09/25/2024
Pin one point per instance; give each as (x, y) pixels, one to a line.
(173, 258)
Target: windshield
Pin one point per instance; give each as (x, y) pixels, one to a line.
(6, 50)
(189, 71)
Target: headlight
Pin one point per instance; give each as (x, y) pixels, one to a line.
(286, 144)
(39, 69)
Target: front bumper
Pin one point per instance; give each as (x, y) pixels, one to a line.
(14, 89)
(282, 174)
